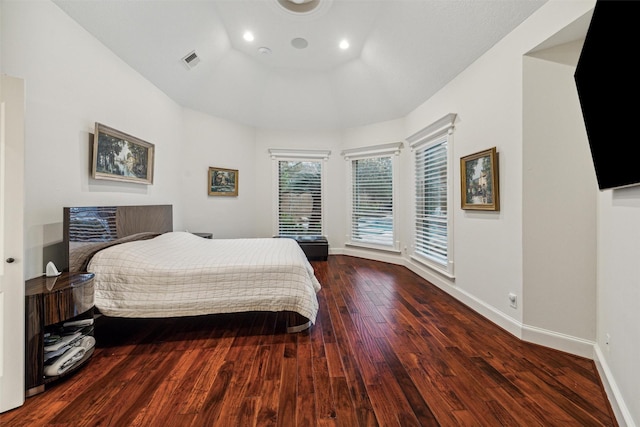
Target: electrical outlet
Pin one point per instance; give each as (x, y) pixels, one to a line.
(513, 300)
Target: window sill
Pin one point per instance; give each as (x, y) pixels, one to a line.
(374, 247)
(426, 263)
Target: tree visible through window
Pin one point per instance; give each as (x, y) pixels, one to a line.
(299, 198)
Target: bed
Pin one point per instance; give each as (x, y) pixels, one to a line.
(145, 269)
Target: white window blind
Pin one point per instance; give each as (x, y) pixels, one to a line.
(372, 201)
(431, 232)
(433, 193)
(300, 197)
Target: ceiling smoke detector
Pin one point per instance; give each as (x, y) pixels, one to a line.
(191, 60)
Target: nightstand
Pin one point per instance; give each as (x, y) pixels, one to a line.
(54, 307)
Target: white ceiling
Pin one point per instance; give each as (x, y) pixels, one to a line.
(402, 52)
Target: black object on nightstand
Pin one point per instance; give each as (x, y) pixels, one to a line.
(204, 235)
(316, 248)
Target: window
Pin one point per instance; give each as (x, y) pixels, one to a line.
(299, 197)
(372, 213)
(299, 192)
(432, 160)
(431, 202)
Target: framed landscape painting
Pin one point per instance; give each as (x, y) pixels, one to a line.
(479, 180)
(121, 157)
(223, 182)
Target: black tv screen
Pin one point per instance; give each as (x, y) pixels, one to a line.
(607, 78)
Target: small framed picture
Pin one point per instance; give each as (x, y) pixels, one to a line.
(479, 180)
(223, 182)
(121, 157)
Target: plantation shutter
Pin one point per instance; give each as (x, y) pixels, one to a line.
(299, 198)
(431, 240)
(372, 201)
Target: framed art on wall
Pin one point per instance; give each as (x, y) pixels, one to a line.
(479, 181)
(121, 157)
(223, 182)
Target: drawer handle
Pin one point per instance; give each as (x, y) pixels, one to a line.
(10, 260)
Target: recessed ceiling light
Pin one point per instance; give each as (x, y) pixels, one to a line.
(299, 43)
(344, 44)
(248, 36)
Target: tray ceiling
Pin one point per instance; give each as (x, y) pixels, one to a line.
(294, 75)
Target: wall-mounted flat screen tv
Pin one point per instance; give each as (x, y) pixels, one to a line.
(607, 78)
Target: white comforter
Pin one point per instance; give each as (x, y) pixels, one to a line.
(180, 274)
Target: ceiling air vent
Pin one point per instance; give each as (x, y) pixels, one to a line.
(191, 60)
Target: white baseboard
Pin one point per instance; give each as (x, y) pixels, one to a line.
(558, 341)
(619, 407)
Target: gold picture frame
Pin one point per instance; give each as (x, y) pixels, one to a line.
(480, 181)
(118, 156)
(223, 182)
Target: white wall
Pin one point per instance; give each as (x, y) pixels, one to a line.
(619, 294)
(374, 134)
(1, 19)
(72, 81)
(559, 201)
(213, 142)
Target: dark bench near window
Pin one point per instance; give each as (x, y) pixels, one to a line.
(314, 247)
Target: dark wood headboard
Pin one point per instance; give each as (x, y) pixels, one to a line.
(91, 228)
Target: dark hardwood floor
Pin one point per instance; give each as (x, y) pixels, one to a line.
(387, 349)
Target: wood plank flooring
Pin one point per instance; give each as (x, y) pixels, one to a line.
(388, 349)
